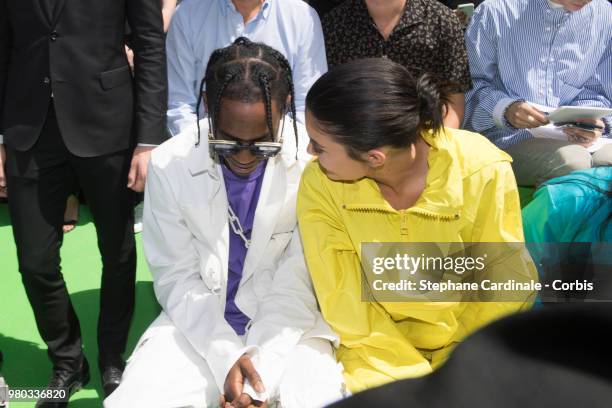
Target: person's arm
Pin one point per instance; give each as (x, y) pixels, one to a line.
(168, 7)
(5, 55)
(175, 265)
(5, 50)
(182, 75)
(288, 311)
(310, 61)
(150, 76)
(497, 221)
(369, 337)
(150, 85)
(597, 91)
(488, 101)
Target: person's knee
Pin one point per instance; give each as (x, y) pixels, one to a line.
(603, 156)
(312, 377)
(573, 157)
(40, 270)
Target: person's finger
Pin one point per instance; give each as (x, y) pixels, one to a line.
(591, 121)
(243, 401)
(143, 169)
(531, 121)
(575, 138)
(132, 174)
(140, 179)
(534, 116)
(513, 116)
(524, 123)
(136, 184)
(142, 175)
(2, 164)
(234, 387)
(584, 133)
(252, 375)
(524, 119)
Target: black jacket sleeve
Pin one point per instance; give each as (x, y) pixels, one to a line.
(5, 56)
(151, 80)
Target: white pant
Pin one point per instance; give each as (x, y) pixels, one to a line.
(166, 372)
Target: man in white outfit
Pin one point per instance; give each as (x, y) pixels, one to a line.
(240, 322)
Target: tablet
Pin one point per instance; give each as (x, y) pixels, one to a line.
(573, 113)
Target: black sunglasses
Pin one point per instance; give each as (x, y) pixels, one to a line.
(223, 147)
(230, 148)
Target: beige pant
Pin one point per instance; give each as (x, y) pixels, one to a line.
(165, 371)
(536, 160)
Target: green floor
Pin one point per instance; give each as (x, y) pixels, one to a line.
(26, 364)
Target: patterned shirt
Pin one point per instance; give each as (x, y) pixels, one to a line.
(529, 50)
(427, 38)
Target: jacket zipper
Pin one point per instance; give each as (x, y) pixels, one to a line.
(404, 214)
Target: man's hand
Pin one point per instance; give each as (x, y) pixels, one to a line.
(138, 169)
(584, 137)
(521, 115)
(234, 383)
(2, 174)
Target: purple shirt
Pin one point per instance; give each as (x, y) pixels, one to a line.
(242, 195)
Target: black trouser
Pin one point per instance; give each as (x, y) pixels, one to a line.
(39, 181)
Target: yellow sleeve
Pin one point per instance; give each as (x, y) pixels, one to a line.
(372, 349)
(497, 220)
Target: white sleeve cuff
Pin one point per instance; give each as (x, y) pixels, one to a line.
(146, 145)
(1, 139)
(499, 112)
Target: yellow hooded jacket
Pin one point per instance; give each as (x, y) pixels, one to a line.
(470, 196)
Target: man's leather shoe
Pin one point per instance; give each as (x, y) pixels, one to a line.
(71, 381)
(111, 376)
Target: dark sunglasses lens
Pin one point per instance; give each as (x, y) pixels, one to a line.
(224, 149)
(265, 151)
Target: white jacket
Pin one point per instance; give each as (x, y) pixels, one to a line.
(186, 243)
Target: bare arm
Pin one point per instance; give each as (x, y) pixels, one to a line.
(168, 7)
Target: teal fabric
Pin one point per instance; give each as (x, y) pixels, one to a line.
(571, 209)
(525, 195)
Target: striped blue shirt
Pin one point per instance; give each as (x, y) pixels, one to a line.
(528, 50)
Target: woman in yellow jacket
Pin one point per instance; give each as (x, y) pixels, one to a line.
(388, 171)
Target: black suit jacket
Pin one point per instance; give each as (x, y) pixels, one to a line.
(74, 49)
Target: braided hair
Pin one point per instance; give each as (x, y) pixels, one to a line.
(249, 72)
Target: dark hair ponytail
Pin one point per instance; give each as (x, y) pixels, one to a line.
(374, 102)
(432, 103)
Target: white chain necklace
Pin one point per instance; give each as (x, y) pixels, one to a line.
(236, 227)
